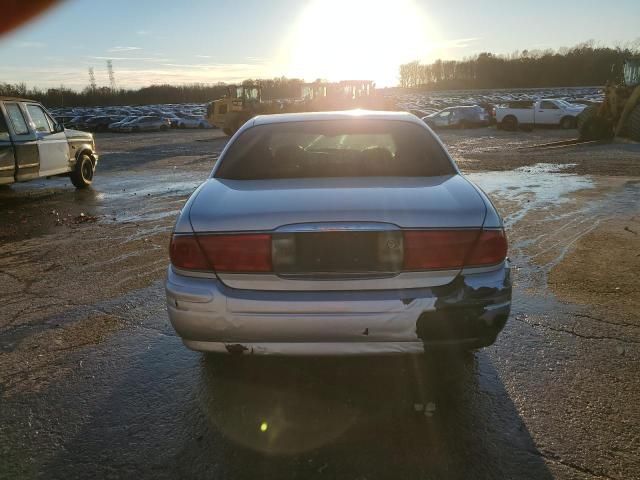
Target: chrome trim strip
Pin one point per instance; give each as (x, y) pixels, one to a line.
(28, 165)
(337, 227)
(9, 167)
(401, 281)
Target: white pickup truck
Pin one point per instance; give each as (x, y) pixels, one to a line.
(542, 112)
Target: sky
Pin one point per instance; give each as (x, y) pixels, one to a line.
(202, 41)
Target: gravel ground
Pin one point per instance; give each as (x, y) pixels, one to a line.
(94, 383)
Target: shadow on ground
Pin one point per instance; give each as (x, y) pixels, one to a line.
(174, 414)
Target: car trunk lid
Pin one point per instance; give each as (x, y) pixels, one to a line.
(266, 205)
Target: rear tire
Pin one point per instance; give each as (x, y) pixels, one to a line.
(567, 122)
(510, 123)
(591, 126)
(634, 124)
(82, 174)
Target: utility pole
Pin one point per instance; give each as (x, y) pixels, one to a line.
(92, 79)
(112, 77)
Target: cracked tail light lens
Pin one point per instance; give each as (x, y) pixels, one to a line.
(222, 253)
(452, 249)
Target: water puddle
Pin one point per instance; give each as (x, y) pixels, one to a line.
(533, 187)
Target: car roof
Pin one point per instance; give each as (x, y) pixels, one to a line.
(338, 115)
(17, 99)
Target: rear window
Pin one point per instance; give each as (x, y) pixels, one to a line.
(344, 148)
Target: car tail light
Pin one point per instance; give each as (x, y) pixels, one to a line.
(437, 249)
(490, 248)
(185, 252)
(443, 249)
(237, 253)
(222, 253)
(423, 250)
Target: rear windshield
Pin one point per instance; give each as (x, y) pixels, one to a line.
(329, 148)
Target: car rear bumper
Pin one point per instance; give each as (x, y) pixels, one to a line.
(209, 316)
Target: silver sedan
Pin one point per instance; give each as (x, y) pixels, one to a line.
(337, 233)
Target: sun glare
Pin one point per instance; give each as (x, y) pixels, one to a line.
(357, 39)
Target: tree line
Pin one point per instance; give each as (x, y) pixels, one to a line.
(154, 94)
(582, 65)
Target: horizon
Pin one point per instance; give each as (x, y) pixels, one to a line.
(154, 44)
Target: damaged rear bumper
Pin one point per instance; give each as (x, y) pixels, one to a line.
(209, 316)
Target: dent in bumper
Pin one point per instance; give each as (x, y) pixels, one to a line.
(212, 317)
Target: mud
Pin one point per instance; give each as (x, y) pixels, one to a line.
(488, 149)
(94, 383)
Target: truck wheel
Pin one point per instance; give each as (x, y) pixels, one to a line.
(510, 123)
(82, 174)
(591, 126)
(634, 124)
(567, 122)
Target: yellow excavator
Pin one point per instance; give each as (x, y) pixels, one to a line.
(619, 114)
(243, 102)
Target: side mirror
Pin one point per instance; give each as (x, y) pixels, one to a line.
(59, 127)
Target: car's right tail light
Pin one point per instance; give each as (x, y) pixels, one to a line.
(490, 249)
(452, 249)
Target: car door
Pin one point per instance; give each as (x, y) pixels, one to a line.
(7, 159)
(548, 113)
(443, 118)
(25, 142)
(53, 147)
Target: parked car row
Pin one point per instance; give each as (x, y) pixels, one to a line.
(509, 116)
(133, 119)
(148, 123)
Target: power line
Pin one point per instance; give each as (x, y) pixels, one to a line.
(92, 79)
(112, 77)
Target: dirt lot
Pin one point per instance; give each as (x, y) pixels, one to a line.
(93, 381)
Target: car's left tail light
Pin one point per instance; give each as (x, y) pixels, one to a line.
(185, 253)
(246, 253)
